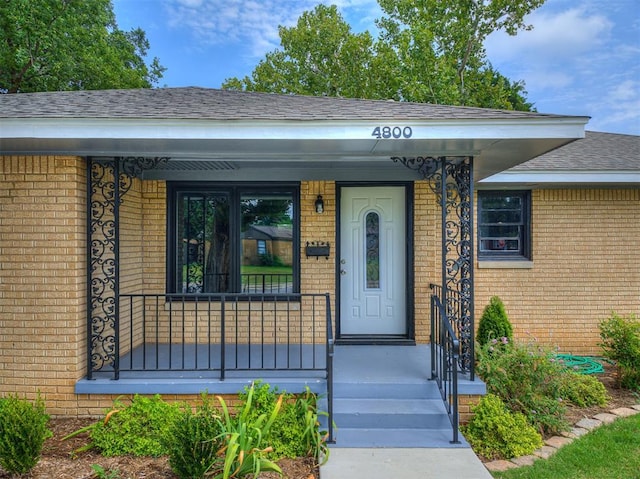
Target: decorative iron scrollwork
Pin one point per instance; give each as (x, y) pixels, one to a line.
(108, 182)
(451, 179)
(427, 166)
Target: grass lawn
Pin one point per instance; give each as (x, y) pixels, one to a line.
(609, 452)
(266, 270)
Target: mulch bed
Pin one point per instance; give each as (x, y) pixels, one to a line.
(59, 461)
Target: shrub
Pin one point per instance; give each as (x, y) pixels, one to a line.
(495, 432)
(583, 390)
(494, 323)
(621, 343)
(294, 432)
(245, 447)
(23, 430)
(528, 380)
(195, 440)
(138, 429)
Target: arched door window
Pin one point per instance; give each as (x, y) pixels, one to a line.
(372, 250)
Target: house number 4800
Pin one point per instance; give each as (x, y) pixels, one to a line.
(392, 132)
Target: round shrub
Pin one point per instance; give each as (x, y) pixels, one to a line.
(621, 343)
(494, 432)
(583, 390)
(194, 441)
(494, 323)
(23, 430)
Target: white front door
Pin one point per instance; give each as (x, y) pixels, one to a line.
(373, 261)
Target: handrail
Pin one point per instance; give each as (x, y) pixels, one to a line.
(445, 355)
(330, 352)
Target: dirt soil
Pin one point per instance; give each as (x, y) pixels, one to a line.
(59, 462)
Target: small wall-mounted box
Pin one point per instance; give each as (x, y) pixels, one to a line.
(318, 249)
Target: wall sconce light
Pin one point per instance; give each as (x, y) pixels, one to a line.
(319, 204)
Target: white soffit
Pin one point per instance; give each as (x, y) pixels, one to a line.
(496, 144)
(562, 178)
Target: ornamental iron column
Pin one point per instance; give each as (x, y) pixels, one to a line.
(451, 179)
(108, 180)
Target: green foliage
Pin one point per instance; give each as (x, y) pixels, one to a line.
(583, 390)
(102, 473)
(245, 436)
(138, 429)
(195, 440)
(528, 379)
(621, 343)
(70, 45)
(494, 323)
(430, 51)
(23, 430)
(495, 432)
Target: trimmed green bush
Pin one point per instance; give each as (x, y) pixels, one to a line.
(494, 323)
(495, 432)
(528, 379)
(138, 429)
(23, 430)
(195, 440)
(583, 390)
(621, 343)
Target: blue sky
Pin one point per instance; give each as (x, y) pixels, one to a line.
(581, 58)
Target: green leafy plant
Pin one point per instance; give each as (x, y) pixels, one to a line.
(583, 390)
(139, 428)
(495, 432)
(102, 473)
(295, 430)
(23, 430)
(245, 450)
(528, 379)
(494, 323)
(621, 343)
(195, 440)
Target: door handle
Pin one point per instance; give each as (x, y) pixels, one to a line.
(343, 272)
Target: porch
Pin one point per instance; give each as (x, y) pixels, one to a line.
(377, 396)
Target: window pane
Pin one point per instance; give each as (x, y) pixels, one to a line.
(203, 259)
(372, 250)
(266, 253)
(501, 227)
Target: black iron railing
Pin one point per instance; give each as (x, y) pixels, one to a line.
(250, 283)
(330, 351)
(214, 334)
(445, 355)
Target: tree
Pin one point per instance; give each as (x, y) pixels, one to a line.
(51, 45)
(428, 51)
(340, 62)
(442, 48)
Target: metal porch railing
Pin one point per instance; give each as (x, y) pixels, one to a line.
(445, 355)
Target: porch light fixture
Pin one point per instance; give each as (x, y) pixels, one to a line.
(319, 204)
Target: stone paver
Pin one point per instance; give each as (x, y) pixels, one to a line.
(606, 417)
(554, 443)
(588, 424)
(501, 465)
(624, 411)
(525, 460)
(558, 441)
(545, 452)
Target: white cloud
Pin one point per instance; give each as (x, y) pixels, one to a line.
(252, 23)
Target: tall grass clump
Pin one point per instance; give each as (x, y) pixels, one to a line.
(621, 343)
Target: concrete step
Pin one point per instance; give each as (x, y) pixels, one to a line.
(386, 390)
(399, 437)
(390, 413)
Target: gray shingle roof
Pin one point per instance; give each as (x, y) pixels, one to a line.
(211, 104)
(596, 151)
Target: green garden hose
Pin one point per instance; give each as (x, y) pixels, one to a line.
(582, 364)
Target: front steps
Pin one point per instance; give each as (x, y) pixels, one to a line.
(391, 414)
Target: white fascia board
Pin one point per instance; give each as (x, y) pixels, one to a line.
(79, 128)
(562, 177)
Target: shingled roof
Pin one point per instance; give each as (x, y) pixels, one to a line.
(212, 104)
(596, 151)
